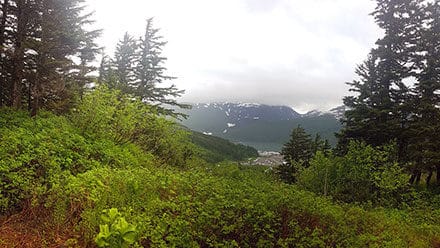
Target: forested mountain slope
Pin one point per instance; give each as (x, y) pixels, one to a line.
(264, 127)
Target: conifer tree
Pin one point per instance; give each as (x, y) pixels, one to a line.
(5, 9)
(319, 144)
(88, 51)
(299, 148)
(425, 123)
(297, 153)
(41, 42)
(409, 115)
(366, 116)
(151, 73)
(401, 20)
(380, 112)
(106, 71)
(126, 56)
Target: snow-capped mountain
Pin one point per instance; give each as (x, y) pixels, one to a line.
(236, 113)
(262, 126)
(337, 112)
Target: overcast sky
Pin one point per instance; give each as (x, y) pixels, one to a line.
(298, 53)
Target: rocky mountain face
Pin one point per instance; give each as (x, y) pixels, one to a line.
(262, 126)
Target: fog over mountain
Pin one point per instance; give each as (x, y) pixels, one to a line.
(279, 52)
(265, 127)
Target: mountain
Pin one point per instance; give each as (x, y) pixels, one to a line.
(241, 113)
(337, 112)
(264, 127)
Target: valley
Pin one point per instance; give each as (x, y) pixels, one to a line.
(261, 126)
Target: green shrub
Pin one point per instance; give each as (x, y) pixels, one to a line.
(363, 174)
(228, 205)
(108, 114)
(35, 152)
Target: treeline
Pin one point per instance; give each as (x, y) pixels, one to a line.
(137, 68)
(398, 91)
(391, 130)
(46, 53)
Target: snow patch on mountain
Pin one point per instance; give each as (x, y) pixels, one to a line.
(337, 112)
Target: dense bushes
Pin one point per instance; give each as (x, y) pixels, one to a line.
(106, 129)
(215, 149)
(363, 174)
(105, 113)
(99, 177)
(34, 152)
(226, 205)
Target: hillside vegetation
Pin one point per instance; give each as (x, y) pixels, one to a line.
(215, 149)
(76, 181)
(102, 164)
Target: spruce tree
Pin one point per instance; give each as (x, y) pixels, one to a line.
(368, 111)
(41, 42)
(87, 54)
(380, 112)
(425, 123)
(5, 9)
(124, 63)
(321, 145)
(297, 153)
(401, 20)
(299, 148)
(151, 73)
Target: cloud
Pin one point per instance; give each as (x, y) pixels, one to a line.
(293, 52)
(262, 5)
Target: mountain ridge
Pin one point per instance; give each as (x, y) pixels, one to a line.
(265, 127)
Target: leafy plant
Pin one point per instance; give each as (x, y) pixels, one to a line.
(116, 231)
(364, 174)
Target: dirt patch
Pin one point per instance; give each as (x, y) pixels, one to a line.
(28, 230)
(17, 233)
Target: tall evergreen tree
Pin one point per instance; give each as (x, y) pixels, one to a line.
(366, 117)
(125, 62)
(380, 112)
(297, 153)
(299, 147)
(410, 49)
(88, 51)
(41, 42)
(425, 123)
(4, 70)
(151, 73)
(321, 145)
(401, 20)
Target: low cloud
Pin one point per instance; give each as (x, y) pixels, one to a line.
(291, 52)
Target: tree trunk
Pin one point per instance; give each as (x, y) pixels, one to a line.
(5, 8)
(415, 177)
(412, 179)
(438, 175)
(18, 58)
(35, 104)
(418, 176)
(428, 179)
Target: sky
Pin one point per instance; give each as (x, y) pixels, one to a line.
(298, 53)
